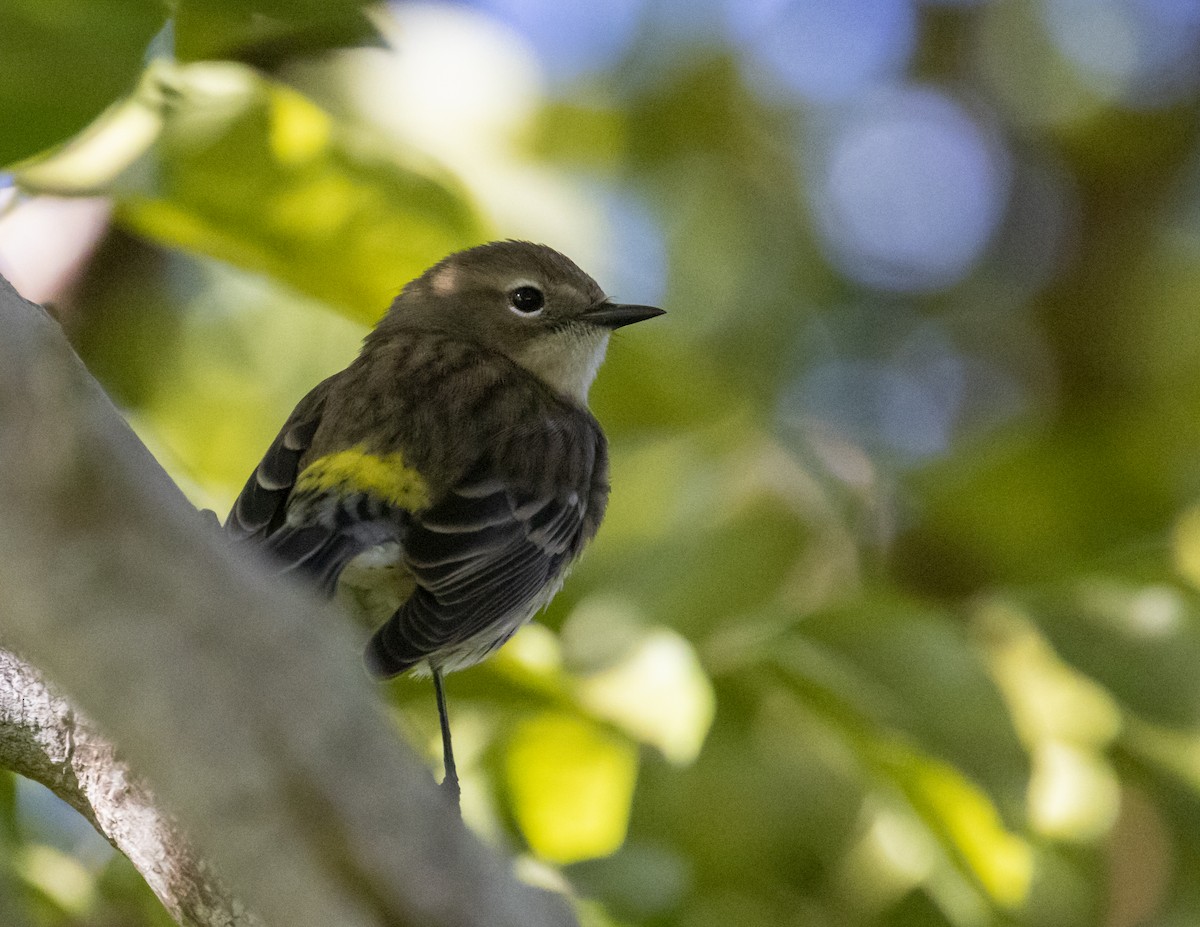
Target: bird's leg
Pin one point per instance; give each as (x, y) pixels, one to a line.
(450, 782)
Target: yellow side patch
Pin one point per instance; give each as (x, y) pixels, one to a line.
(385, 476)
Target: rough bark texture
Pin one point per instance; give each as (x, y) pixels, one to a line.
(238, 697)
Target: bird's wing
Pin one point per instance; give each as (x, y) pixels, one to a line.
(311, 531)
(483, 557)
(261, 508)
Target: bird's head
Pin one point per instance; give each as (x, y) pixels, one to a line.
(524, 300)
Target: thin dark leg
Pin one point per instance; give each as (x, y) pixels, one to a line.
(450, 782)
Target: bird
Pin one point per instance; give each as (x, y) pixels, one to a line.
(443, 484)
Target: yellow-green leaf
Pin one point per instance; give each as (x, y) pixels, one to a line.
(571, 785)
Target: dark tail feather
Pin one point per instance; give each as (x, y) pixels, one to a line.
(388, 654)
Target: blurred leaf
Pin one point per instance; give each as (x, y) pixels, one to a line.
(1161, 768)
(653, 691)
(966, 821)
(10, 835)
(265, 30)
(126, 899)
(62, 62)
(1170, 756)
(127, 329)
(1034, 505)
(571, 785)
(9, 830)
(253, 173)
(1066, 720)
(765, 816)
(889, 670)
(881, 675)
(695, 395)
(581, 134)
(59, 878)
(659, 693)
(637, 882)
(1049, 699)
(221, 392)
(1068, 888)
(1141, 642)
(916, 909)
(591, 914)
(723, 563)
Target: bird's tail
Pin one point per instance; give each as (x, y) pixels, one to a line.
(388, 654)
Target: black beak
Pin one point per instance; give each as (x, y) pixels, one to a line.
(615, 315)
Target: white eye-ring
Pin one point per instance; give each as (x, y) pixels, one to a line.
(526, 300)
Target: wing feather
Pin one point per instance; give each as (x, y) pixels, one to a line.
(261, 508)
(483, 557)
(330, 532)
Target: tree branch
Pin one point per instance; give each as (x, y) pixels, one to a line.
(241, 699)
(44, 739)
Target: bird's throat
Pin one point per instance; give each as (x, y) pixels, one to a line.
(567, 360)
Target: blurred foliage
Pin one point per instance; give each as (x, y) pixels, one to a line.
(267, 31)
(66, 61)
(249, 171)
(894, 616)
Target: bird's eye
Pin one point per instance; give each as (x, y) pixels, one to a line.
(526, 300)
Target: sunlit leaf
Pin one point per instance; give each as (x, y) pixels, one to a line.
(255, 174)
(59, 877)
(968, 822)
(659, 693)
(1186, 546)
(1065, 719)
(571, 785)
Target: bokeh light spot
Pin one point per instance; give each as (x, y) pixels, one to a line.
(892, 383)
(877, 405)
(1073, 795)
(822, 50)
(442, 91)
(571, 39)
(909, 191)
(1142, 52)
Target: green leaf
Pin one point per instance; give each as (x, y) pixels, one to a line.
(571, 784)
(889, 670)
(62, 62)
(965, 821)
(263, 31)
(1142, 642)
(9, 831)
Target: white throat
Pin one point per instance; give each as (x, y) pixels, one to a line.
(567, 361)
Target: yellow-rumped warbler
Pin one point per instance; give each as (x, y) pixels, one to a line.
(446, 480)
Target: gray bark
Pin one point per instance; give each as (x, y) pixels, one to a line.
(237, 696)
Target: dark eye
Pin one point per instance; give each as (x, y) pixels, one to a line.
(526, 300)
